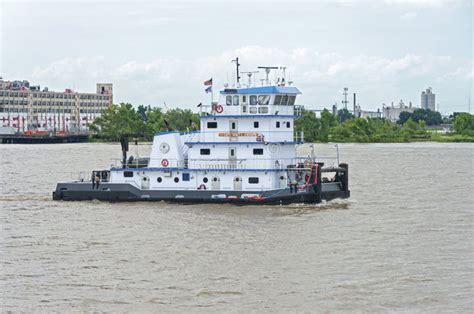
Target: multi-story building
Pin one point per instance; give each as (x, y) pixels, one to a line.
(24, 107)
(428, 99)
(392, 113)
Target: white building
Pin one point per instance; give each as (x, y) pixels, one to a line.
(428, 99)
(28, 108)
(392, 113)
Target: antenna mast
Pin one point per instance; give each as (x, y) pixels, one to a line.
(345, 102)
(267, 72)
(237, 64)
(249, 74)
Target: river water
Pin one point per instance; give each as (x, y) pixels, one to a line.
(404, 241)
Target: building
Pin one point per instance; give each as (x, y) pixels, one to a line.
(428, 99)
(28, 108)
(392, 113)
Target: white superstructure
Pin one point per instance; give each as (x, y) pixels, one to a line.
(246, 142)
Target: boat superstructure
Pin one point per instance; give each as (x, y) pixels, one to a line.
(244, 152)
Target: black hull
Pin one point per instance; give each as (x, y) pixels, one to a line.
(81, 191)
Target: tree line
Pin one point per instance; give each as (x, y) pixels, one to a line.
(145, 121)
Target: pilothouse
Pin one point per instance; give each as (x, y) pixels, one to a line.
(244, 153)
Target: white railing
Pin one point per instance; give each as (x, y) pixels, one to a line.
(228, 163)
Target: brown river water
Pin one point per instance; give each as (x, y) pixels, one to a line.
(404, 241)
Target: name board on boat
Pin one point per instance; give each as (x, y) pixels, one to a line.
(236, 134)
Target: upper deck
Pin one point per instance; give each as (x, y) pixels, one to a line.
(255, 101)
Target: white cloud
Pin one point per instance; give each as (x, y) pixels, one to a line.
(321, 76)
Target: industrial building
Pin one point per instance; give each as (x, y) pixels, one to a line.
(428, 99)
(24, 107)
(392, 112)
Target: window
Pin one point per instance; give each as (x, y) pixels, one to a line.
(258, 151)
(186, 176)
(278, 124)
(291, 100)
(244, 99)
(284, 100)
(255, 124)
(205, 151)
(253, 100)
(253, 110)
(244, 109)
(253, 180)
(277, 100)
(176, 179)
(264, 99)
(228, 100)
(263, 110)
(288, 124)
(159, 179)
(128, 174)
(236, 100)
(212, 125)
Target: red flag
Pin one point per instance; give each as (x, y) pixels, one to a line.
(208, 82)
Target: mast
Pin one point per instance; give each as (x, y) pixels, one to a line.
(237, 64)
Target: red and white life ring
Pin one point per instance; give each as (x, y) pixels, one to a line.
(219, 109)
(165, 163)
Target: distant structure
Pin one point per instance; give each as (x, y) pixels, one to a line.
(25, 107)
(392, 113)
(428, 99)
(345, 101)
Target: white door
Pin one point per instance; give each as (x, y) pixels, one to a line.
(215, 183)
(145, 182)
(237, 184)
(232, 157)
(283, 181)
(234, 129)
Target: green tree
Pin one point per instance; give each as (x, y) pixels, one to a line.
(183, 120)
(154, 122)
(464, 124)
(327, 121)
(116, 121)
(343, 115)
(309, 124)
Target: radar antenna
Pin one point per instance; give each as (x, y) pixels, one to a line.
(249, 74)
(267, 72)
(284, 76)
(237, 64)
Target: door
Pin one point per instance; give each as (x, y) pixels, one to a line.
(145, 182)
(215, 183)
(233, 129)
(232, 157)
(283, 181)
(237, 184)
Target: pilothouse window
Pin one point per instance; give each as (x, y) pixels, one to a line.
(253, 100)
(291, 100)
(228, 100)
(263, 99)
(236, 100)
(277, 100)
(284, 100)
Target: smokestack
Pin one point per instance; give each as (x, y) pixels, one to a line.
(354, 104)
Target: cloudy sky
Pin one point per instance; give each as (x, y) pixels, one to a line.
(156, 52)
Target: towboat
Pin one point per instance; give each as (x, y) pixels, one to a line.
(244, 153)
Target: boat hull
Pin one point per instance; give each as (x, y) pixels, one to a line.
(120, 192)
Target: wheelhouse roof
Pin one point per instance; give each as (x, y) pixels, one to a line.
(263, 90)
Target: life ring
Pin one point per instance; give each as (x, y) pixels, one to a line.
(202, 187)
(165, 163)
(219, 109)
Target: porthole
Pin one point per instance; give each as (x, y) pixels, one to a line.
(282, 178)
(176, 179)
(205, 180)
(215, 180)
(159, 179)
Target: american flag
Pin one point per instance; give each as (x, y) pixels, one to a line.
(208, 82)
